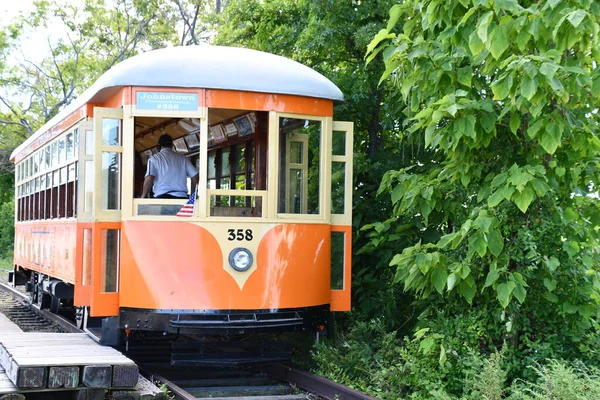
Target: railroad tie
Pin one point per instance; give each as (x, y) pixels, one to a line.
(97, 376)
(63, 377)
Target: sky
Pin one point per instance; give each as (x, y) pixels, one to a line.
(10, 8)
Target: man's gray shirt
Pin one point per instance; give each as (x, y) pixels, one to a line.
(170, 171)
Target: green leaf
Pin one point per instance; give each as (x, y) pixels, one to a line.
(560, 171)
(379, 37)
(477, 244)
(596, 87)
(571, 247)
(442, 354)
(523, 199)
(550, 284)
(420, 333)
(519, 178)
(464, 76)
(552, 263)
(509, 5)
(482, 26)
(496, 198)
(499, 179)
(438, 278)
(426, 345)
(395, 13)
(528, 87)
(495, 242)
(451, 281)
(446, 239)
(487, 121)
(504, 291)
(576, 17)
(550, 139)
(515, 123)
(475, 44)
(548, 70)
(520, 293)
(492, 277)
(534, 128)
(466, 291)
(522, 39)
(501, 88)
(499, 41)
(397, 193)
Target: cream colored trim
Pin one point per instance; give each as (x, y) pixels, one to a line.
(303, 166)
(83, 216)
(347, 159)
(248, 193)
(202, 199)
(101, 113)
(274, 153)
(273, 166)
(325, 176)
(128, 163)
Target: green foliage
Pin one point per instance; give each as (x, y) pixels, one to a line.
(560, 381)
(390, 368)
(7, 228)
(502, 96)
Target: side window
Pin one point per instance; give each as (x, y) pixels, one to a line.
(299, 166)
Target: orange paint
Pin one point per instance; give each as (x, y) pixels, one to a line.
(83, 294)
(160, 270)
(341, 299)
(47, 247)
(268, 102)
(102, 303)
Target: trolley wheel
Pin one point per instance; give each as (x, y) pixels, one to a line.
(81, 314)
(54, 304)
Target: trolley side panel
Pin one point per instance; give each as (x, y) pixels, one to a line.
(47, 247)
(182, 266)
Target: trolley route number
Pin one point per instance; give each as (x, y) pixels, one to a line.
(239, 234)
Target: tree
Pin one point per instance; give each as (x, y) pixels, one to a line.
(331, 37)
(502, 94)
(87, 40)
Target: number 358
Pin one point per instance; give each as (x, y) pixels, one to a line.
(239, 234)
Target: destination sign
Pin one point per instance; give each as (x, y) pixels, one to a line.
(164, 101)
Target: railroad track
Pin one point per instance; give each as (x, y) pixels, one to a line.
(16, 307)
(269, 381)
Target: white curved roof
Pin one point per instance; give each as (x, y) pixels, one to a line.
(209, 67)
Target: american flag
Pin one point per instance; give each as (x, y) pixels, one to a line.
(188, 209)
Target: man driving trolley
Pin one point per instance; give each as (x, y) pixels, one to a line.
(167, 173)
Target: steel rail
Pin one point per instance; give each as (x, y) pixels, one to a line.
(315, 384)
(57, 319)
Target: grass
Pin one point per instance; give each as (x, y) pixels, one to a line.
(6, 264)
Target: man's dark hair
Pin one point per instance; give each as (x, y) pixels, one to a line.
(165, 141)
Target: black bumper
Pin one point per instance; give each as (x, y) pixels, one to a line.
(224, 321)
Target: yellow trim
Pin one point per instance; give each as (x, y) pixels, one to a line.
(325, 176)
(127, 160)
(202, 198)
(303, 166)
(232, 192)
(83, 216)
(272, 166)
(347, 159)
(101, 113)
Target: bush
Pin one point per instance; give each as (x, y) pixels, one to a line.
(559, 380)
(7, 229)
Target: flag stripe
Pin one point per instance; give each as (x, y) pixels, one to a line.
(188, 209)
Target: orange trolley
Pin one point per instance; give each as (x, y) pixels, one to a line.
(268, 245)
